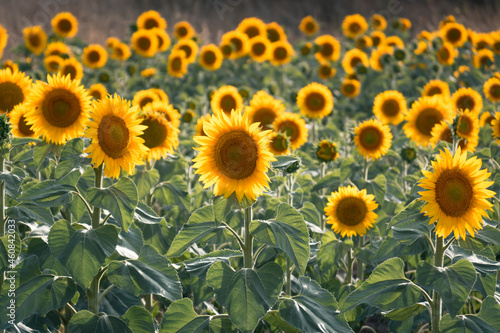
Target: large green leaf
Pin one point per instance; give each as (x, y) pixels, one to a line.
(287, 232)
(30, 212)
(85, 322)
(311, 216)
(489, 234)
(454, 283)
(486, 321)
(82, 252)
(13, 180)
(159, 235)
(145, 181)
(120, 199)
(200, 265)
(407, 312)
(173, 192)
(331, 250)
(313, 309)
(139, 320)
(151, 273)
(377, 187)
(386, 288)
(52, 193)
(247, 294)
(482, 264)
(71, 157)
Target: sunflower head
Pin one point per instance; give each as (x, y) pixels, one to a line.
(14, 89)
(390, 107)
(408, 154)
(167, 111)
(350, 211)
(145, 43)
(454, 33)
(177, 63)
(200, 124)
(455, 194)
(309, 25)
(484, 58)
(446, 54)
(211, 57)
(350, 88)
(377, 37)
(373, 139)
(354, 25)
(279, 144)
(252, 27)
(315, 100)
(467, 98)
(53, 63)
(184, 30)
(188, 116)
(326, 71)
(65, 24)
(144, 97)
(226, 98)
(379, 22)
(17, 119)
(73, 68)
(260, 48)
(275, 32)
(121, 52)
(189, 47)
(35, 39)
(98, 91)
(9, 64)
(436, 87)
(328, 48)
(160, 136)
(326, 151)
(486, 119)
(264, 109)
(293, 126)
(238, 41)
(491, 89)
(281, 53)
(352, 59)
(94, 56)
(163, 39)
(150, 20)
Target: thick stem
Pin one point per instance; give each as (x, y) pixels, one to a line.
(359, 262)
(288, 289)
(248, 238)
(348, 278)
(93, 291)
(96, 214)
(290, 189)
(2, 199)
(365, 169)
(436, 305)
(148, 299)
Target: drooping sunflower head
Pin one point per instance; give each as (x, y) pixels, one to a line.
(326, 151)
(309, 25)
(352, 59)
(279, 144)
(35, 39)
(145, 43)
(65, 24)
(454, 33)
(484, 58)
(326, 71)
(151, 19)
(315, 100)
(226, 98)
(239, 44)
(144, 97)
(275, 32)
(164, 40)
(373, 139)
(390, 107)
(98, 91)
(293, 126)
(350, 211)
(19, 126)
(233, 156)
(184, 30)
(59, 110)
(252, 27)
(329, 48)
(73, 68)
(57, 48)
(94, 56)
(260, 48)
(467, 98)
(264, 109)
(350, 88)
(378, 38)
(189, 47)
(456, 194)
(167, 111)
(379, 22)
(160, 136)
(211, 57)
(441, 132)
(177, 63)
(354, 25)
(436, 87)
(281, 53)
(14, 88)
(446, 54)
(121, 52)
(491, 89)
(53, 63)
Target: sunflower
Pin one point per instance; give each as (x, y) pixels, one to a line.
(486, 119)
(259, 48)
(491, 89)
(377, 55)
(495, 126)
(447, 20)
(264, 109)
(377, 37)
(281, 53)
(373, 139)
(233, 156)
(482, 41)
(98, 91)
(184, 30)
(279, 144)
(394, 41)
(484, 58)
(350, 211)
(9, 64)
(65, 24)
(148, 72)
(326, 151)
(166, 110)
(4, 36)
(306, 49)
(189, 47)
(390, 107)
(275, 32)
(446, 54)
(468, 130)
(423, 115)
(72, 67)
(144, 42)
(226, 98)
(211, 57)
(441, 132)
(326, 71)
(163, 39)
(115, 131)
(309, 25)
(495, 36)
(456, 194)
(363, 42)
(14, 88)
(200, 124)
(17, 118)
(421, 48)
(238, 41)
(177, 64)
(160, 136)
(467, 98)
(329, 48)
(94, 56)
(226, 48)
(315, 100)
(454, 33)
(293, 126)
(59, 110)
(35, 39)
(354, 25)
(379, 22)
(350, 88)
(352, 59)
(144, 97)
(112, 42)
(121, 52)
(150, 20)
(436, 87)
(404, 24)
(57, 48)
(53, 63)
(252, 27)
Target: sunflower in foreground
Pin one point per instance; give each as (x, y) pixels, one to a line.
(35, 39)
(184, 30)
(65, 24)
(390, 107)
(14, 88)
(94, 56)
(309, 25)
(456, 194)
(59, 110)
(159, 136)
(467, 98)
(315, 100)
(166, 110)
(115, 131)
(226, 98)
(293, 126)
(279, 144)
(350, 211)
(177, 63)
(211, 57)
(17, 118)
(491, 89)
(233, 156)
(264, 109)
(98, 91)
(436, 87)
(373, 139)
(151, 19)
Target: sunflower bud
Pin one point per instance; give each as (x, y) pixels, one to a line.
(326, 151)
(188, 116)
(408, 154)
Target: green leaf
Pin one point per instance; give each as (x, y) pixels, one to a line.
(454, 283)
(406, 313)
(310, 213)
(178, 314)
(145, 181)
(41, 151)
(85, 321)
(200, 265)
(159, 235)
(145, 214)
(49, 193)
(314, 309)
(331, 180)
(151, 273)
(139, 320)
(71, 157)
(173, 193)
(386, 288)
(377, 187)
(346, 168)
(275, 320)
(283, 163)
(287, 232)
(331, 250)
(482, 264)
(13, 180)
(82, 252)
(119, 199)
(486, 321)
(489, 234)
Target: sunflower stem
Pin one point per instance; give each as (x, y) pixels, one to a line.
(365, 169)
(323, 193)
(96, 214)
(436, 305)
(248, 249)
(348, 278)
(290, 189)
(358, 261)
(313, 136)
(93, 291)
(2, 198)
(288, 288)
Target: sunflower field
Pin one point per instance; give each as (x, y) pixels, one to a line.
(324, 184)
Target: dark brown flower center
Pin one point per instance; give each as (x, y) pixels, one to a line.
(10, 95)
(351, 211)
(236, 155)
(454, 193)
(371, 138)
(426, 120)
(390, 107)
(315, 101)
(155, 134)
(61, 108)
(113, 136)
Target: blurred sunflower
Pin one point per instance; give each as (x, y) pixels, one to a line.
(189, 47)
(495, 126)
(421, 48)
(65, 24)
(184, 30)
(160, 136)
(94, 56)
(378, 38)
(377, 55)
(73, 68)
(454, 33)
(350, 88)
(144, 42)
(373, 139)
(112, 42)
(14, 89)
(379, 22)
(279, 144)
(491, 89)
(467, 98)
(211, 57)
(390, 107)
(446, 54)
(468, 130)
(484, 58)
(264, 109)
(177, 63)
(4, 36)
(57, 48)
(115, 131)
(98, 91)
(326, 71)
(394, 41)
(441, 132)
(350, 211)
(239, 43)
(352, 58)
(275, 32)
(329, 48)
(326, 151)
(163, 39)
(150, 20)
(486, 119)
(436, 87)
(233, 156)
(456, 194)
(226, 98)
(281, 53)
(144, 97)
(226, 48)
(148, 72)
(293, 126)
(259, 48)
(354, 25)
(363, 42)
(200, 124)
(315, 100)
(482, 41)
(121, 52)
(161, 94)
(59, 110)
(9, 64)
(35, 39)
(17, 118)
(252, 27)
(309, 25)
(53, 63)
(166, 110)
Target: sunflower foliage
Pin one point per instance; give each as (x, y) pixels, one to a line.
(326, 184)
